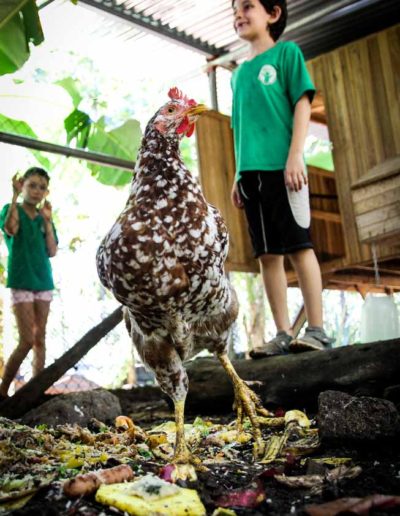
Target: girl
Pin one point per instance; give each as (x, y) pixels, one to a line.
(31, 240)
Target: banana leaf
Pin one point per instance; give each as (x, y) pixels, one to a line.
(10, 125)
(122, 142)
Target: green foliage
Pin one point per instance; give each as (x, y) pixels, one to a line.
(318, 153)
(122, 142)
(78, 124)
(71, 86)
(19, 26)
(11, 125)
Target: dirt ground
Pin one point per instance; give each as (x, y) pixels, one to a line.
(380, 464)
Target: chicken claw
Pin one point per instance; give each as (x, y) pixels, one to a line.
(246, 403)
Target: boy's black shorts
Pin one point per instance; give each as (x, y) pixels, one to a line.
(278, 219)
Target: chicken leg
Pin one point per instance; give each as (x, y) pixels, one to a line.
(182, 454)
(246, 403)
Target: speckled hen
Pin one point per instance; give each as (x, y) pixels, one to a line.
(164, 258)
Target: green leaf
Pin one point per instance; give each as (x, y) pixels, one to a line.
(14, 50)
(33, 27)
(122, 142)
(78, 124)
(9, 125)
(321, 160)
(9, 9)
(71, 86)
(19, 26)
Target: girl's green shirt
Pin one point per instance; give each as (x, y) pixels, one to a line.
(28, 265)
(265, 92)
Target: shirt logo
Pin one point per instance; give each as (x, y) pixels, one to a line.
(267, 75)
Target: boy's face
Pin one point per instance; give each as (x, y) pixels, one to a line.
(251, 19)
(34, 189)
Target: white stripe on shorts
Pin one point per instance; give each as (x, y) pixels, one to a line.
(300, 205)
(262, 215)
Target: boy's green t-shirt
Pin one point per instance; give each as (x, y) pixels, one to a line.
(265, 92)
(28, 265)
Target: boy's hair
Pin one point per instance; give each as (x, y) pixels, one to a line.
(276, 29)
(37, 171)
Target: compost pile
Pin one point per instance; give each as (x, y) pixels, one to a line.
(296, 475)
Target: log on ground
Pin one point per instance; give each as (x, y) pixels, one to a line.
(296, 380)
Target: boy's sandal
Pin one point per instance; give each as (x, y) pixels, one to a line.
(279, 345)
(314, 339)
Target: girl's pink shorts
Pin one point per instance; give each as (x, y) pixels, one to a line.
(30, 296)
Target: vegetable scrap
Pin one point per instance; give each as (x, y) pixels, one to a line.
(124, 468)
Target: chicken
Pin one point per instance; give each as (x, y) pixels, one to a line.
(163, 259)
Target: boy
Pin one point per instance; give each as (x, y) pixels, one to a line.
(272, 94)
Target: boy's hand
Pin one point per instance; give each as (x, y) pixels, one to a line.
(295, 176)
(46, 211)
(17, 183)
(235, 196)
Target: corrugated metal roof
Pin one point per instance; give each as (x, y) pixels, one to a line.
(170, 41)
(207, 25)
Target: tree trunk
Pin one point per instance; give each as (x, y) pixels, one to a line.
(296, 380)
(29, 395)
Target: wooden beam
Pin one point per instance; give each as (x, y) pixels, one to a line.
(354, 279)
(299, 321)
(396, 272)
(321, 172)
(328, 216)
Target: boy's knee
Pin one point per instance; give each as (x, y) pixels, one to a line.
(301, 255)
(267, 260)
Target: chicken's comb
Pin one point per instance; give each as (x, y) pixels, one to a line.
(176, 94)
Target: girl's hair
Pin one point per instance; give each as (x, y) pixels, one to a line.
(37, 171)
(276, 29)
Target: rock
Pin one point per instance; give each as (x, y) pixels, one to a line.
(76, 407)
(341, 416)
(392, 393)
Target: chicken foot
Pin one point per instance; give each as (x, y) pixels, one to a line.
(247, 403)
(182, 454)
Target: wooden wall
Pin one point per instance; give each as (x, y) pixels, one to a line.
(360, 85)
(217, 173)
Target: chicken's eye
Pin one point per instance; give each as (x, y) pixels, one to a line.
(171, 109)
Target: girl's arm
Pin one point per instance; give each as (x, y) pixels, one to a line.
(11, 224)
(51, 242)
(295, 175)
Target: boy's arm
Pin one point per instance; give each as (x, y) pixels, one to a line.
(295, 175)
(235, 196)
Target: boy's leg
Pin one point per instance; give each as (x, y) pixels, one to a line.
(39, 347)
(275, 284)
(308, 273)
(25, 317)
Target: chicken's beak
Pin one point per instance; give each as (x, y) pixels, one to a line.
(196, 110)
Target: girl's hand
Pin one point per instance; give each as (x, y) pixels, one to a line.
(46, 211)
(235, 196)
(295, 175)
(17, 183)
